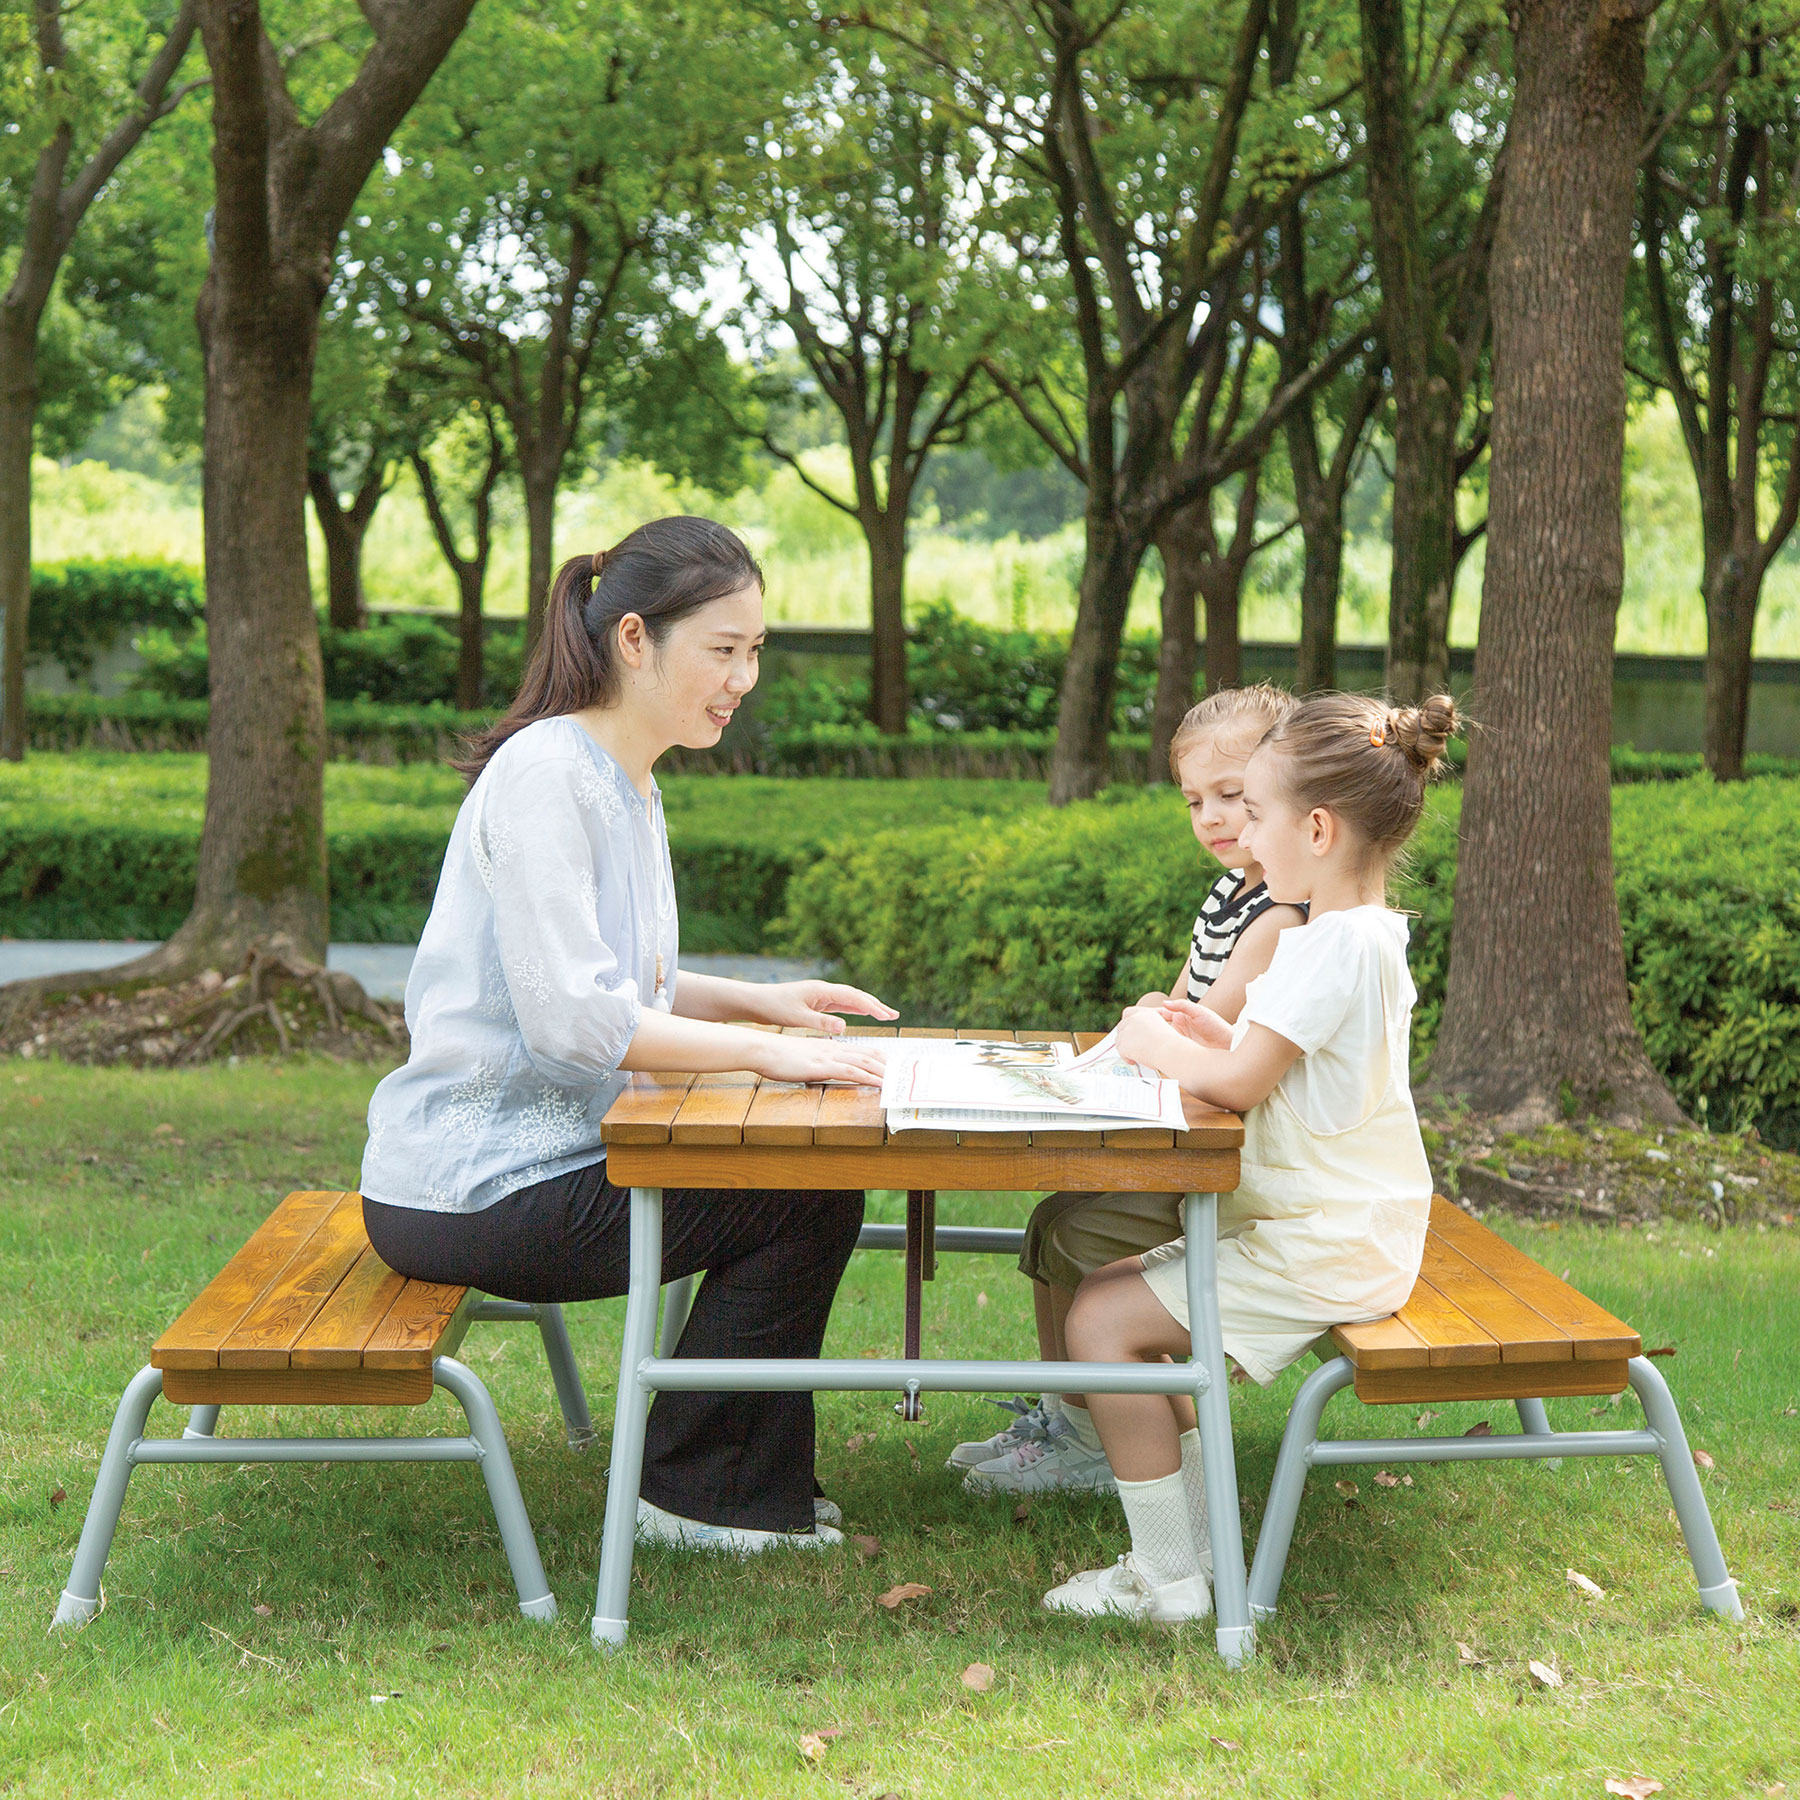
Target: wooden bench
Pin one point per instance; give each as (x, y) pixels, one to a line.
(1486, 1323)
(306, 1314)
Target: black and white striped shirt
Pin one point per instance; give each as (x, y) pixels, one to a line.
(1226, 912)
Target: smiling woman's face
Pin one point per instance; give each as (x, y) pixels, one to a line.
(698, 676)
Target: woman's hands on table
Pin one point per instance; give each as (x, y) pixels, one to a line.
(859, 1061)
(812, 1005)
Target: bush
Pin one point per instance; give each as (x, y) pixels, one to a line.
(1064, 918)
(79, 609)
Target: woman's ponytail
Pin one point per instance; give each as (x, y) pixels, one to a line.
(661, 572)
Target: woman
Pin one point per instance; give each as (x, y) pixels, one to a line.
(548, 969)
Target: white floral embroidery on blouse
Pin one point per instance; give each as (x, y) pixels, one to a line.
(554, 909)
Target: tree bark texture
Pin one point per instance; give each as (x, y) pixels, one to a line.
(889, 690)
(1081, 761)
(1537, 1013)
(18, 412)
(344, 529)
(470, 571)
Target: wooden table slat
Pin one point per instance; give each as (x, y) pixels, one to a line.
(193, 1341)
(784, 1112)
(265, 1336)
(714, 1109)
(853, 1115)
(646, 1109)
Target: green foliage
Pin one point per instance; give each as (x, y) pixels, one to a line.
(1064, 918)
(79, 608)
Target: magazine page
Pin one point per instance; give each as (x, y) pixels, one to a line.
(1022, 1085)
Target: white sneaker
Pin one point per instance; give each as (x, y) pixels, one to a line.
(1125, 1592)
(654, 1526)
(826, 1512)
(1044, 1465)
(1030, 1425)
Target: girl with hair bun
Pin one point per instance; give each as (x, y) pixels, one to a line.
(1327, 1226)
(548, 971)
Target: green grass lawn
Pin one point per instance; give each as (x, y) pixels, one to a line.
(253, 1614)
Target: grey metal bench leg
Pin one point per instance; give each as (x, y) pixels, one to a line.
(1291, 1466)
(1234, 1632)
(1718, 1592)
(203, 1421)
(535, 1598)
(1534, 1420)
(678, 1300)
(571, 1396)
(81, 1598)
(630, 1413)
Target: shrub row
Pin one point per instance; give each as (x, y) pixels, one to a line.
(79, 608)
(1065, 917)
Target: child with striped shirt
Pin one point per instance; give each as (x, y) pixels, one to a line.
(1053, 1444)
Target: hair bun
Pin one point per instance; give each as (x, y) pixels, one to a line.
(1422, 731)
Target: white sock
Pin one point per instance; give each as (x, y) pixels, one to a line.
(1193, 1482)
(1081, 1422)
(1161, 1539)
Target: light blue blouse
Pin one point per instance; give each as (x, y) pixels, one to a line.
(554, 926)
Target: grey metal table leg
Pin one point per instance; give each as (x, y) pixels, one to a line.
(81, 1598)
(571, 1396)
(203, 1421)
(535, 1598)
(630, 1413)
(1534, 1419)
(1234, 1633)
(678, 1302)
(1291, 1466)
(1718, 1592)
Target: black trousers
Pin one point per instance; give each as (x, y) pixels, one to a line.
(773, 1260)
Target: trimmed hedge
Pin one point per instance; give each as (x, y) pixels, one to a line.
(1065, 917)
(79, 608)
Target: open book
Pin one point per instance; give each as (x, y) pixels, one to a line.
(948, 1086)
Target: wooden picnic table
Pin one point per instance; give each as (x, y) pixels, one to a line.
(740, 1131)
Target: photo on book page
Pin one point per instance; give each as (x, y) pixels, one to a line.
(989, 1078)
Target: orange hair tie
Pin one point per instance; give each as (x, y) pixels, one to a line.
(1377, 737)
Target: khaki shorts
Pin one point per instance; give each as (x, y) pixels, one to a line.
(1071, 1235)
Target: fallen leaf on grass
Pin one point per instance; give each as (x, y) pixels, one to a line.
(1384, 1479)
(812, 1746)
(1592, 1589)
(57, 1496)
(1481, 1428)
(912, 1450)
(1546, 1676)
(906, 1590)
(1466, 1656)
(1639, 1787)
(1425, 1419)
(1347, 1488)
(1021, 1512)
(162, 1131)
(978, 1678)
(861, 1441)
(1702, 1460)
(981, 1299)
(1224, 1743)
(263, 1612)
(868, 1548)
(1661, 1350)
(1406, 1481)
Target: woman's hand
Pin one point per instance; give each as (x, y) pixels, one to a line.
(1198, 1022)
(856, 1060)
(812, 1004)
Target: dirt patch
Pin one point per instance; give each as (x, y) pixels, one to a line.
(1611, 1176)
(272, 1006)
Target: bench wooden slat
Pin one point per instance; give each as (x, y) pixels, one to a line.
(853, 1115)
(646, 1109)
(345, 1323)
(1596, 1335)
(1450, 1336)
(427, 1319)
(1383, 1344)
(1491, 1381)
(714, 1108)
(265, 1336)
(193, 1341)
(1524, 1334)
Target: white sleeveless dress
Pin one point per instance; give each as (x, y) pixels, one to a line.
(1327, 1226)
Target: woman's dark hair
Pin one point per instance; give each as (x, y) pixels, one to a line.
(662, 572)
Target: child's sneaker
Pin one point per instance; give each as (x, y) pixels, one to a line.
(1030, 1425)
(1043, 1465)
(1125, 1591)
(826, 1512)
(654, 1526)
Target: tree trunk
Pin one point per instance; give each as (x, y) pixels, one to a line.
(1537, 1016)
(1424, 537)
(540, 528)
(889, 691)
(471, 578)
(1732, 594)
(344, 529)
(1321, 583)
(1081, 762)
(1177, 656)
(18, 413)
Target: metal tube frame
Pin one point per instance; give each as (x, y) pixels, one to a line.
(127, 1448)
(1302, 1449)
(641, 1374)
